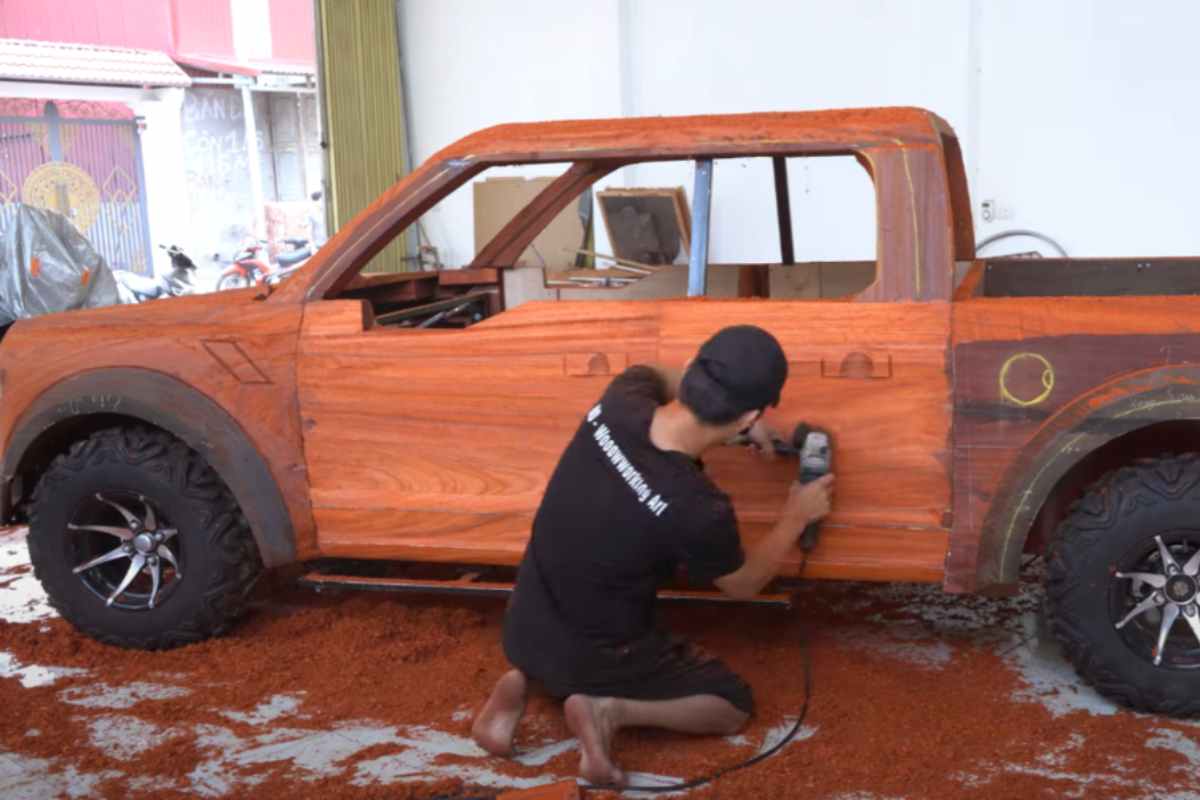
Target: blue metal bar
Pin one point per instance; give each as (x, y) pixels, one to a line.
(701, 206)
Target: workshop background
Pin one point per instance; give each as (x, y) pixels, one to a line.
(1074, 117)
(1077, 121)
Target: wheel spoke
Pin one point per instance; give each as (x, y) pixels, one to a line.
(154, 568)
(151, 521)
(130, 518)
(1192, 567)
(1192, 615)
(1169, 615)
(1141, 608)
(111, 555)
(1157, 581)
(168, 533)
(137, 562)
(124, 534)
(165, 553)
(1164, 553)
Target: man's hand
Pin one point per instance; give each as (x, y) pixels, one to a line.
(763, 437)
(808, 502)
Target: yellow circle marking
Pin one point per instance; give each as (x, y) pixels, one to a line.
(1047, 379)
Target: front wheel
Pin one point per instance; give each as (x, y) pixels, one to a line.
(1123, 585)
(139, 543)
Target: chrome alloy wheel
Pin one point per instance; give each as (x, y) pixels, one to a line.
(144, 542)
(1156, 597)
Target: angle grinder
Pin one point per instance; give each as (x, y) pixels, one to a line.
(814, 447)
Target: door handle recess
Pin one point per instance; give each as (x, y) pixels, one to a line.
(583, 365)
(858, 365)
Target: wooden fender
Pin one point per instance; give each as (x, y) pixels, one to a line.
(1122, 405)
(174, 406)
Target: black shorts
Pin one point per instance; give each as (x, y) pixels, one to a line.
(657, 667)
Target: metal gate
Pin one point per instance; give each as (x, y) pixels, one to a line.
(88, 169)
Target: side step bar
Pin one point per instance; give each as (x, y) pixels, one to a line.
(468, 584)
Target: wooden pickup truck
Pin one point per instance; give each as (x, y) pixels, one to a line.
(983, 410)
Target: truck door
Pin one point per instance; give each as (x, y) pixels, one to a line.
(437, 444)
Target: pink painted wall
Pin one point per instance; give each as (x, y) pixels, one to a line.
(292, 34)
(122, 23)
(178, 27)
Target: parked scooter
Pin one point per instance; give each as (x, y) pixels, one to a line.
(249, 269)
(135, 288)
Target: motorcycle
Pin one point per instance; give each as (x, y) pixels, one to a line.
(134, 288)
(248, 269)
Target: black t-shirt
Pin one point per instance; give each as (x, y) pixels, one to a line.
(618, 518)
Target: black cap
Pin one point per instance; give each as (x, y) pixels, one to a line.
(746, 363)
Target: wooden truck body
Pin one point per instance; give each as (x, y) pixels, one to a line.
(955, 413)
(970, 401)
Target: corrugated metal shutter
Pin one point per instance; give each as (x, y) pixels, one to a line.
(364, 110)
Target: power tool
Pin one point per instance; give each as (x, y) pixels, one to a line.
(814, 447)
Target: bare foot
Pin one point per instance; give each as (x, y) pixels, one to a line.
(591, 720)
(496, 724)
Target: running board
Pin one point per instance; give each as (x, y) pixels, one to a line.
(468, 584)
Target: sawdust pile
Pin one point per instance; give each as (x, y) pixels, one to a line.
(905, 716)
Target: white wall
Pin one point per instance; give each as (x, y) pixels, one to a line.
(1076, 117)
(470, 64)
(1088, 124)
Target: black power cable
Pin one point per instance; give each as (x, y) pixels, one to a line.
(806, 661)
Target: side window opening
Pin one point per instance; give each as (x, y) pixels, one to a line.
(833, 223)
(438, 289)
(832, 219)
(628, 237)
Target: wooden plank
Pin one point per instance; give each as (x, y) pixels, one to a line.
(469, 277)
(393, 288)
(1093, 277)
(319, 580)
(845, 552)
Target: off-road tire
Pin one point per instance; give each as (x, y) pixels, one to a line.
(222, 561)
(1120, 513)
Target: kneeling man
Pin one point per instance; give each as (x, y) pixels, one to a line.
(627, 506)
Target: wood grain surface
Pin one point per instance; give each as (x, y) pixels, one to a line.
(231, 347)
(437, 445)
(1018, 362)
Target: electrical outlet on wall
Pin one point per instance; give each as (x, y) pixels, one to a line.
(991, 210)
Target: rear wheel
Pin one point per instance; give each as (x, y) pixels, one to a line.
(138, 543)
(1123, 585)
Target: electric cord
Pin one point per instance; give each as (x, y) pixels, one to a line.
(806, 663)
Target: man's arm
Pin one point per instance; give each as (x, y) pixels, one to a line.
(806, 503)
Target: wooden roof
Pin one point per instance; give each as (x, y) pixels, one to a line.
(727, 134)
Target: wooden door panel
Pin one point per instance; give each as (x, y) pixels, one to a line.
(889, 413)
(439, 444)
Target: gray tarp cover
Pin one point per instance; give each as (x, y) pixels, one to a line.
(69, 273)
